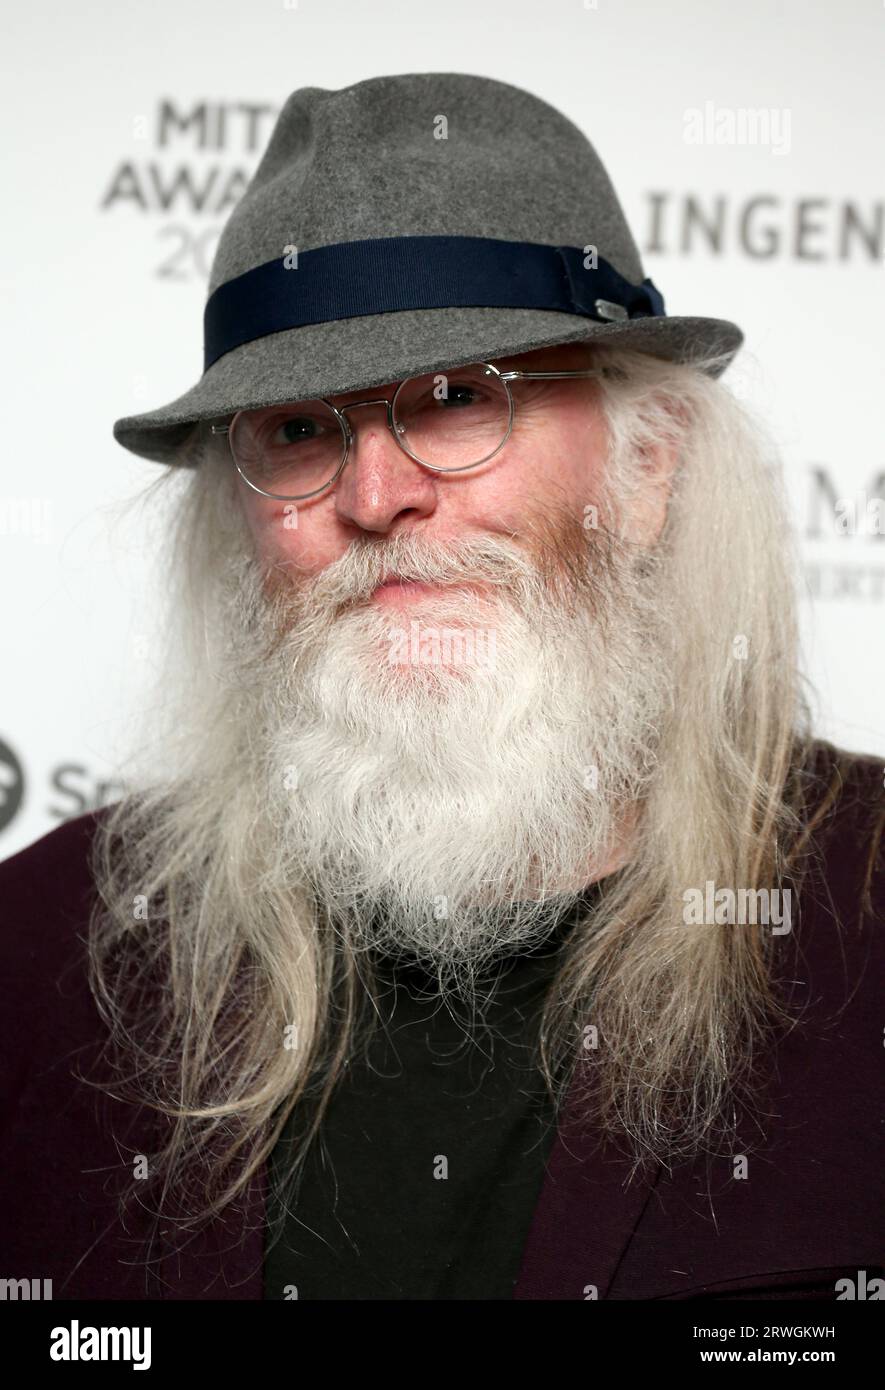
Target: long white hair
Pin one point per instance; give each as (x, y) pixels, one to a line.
(238, 993)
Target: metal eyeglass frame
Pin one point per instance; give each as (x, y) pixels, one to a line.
(340, 414)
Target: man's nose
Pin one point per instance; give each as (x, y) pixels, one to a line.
(380, 482)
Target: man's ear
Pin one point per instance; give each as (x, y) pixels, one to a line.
(660, 459)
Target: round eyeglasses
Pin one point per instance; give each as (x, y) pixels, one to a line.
(447, 421)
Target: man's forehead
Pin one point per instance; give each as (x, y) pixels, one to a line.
(559, 356)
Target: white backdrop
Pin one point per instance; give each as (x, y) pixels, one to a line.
(745, 142)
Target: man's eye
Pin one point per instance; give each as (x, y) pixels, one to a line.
(298, 429)
(460, 395)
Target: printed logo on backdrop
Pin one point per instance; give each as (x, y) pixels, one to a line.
(80, 789)
(73, 788)
(765, 226)
(12, 784)
(844, 535)
(186, 167)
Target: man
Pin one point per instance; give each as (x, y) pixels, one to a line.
(487, 922)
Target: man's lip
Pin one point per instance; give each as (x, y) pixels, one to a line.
(405, 585)
(397, 586)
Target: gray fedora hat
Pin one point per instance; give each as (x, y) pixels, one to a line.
(409, 224)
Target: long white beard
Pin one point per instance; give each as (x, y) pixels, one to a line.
(441, 808)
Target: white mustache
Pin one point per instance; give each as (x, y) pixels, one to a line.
(360, 570)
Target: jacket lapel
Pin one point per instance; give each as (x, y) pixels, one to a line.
(587, 1212)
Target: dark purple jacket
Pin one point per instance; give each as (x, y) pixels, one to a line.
(810, 1212)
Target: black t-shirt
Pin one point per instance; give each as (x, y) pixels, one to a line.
(431, 1155)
